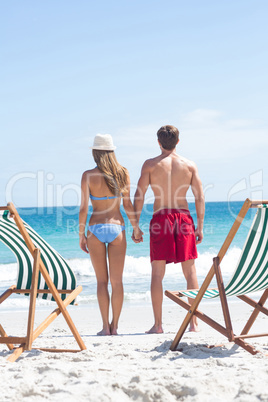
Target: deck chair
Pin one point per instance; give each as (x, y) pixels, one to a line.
(250, 275)
(42, 273)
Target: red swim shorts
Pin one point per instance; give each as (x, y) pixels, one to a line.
(172, 236)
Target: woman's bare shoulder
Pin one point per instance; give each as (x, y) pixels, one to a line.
(90, 173)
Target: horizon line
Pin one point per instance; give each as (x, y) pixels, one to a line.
(146, 203)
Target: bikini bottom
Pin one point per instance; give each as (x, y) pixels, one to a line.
(106, 232)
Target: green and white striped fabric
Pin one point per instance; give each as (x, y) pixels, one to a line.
(59, 271)
(251, 273)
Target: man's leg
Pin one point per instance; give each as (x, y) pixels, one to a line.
(189, 271)
(158, 272)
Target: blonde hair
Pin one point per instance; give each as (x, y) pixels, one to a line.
(114, 174)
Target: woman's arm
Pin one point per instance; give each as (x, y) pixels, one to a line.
(83, 211)
(142, 186)
(129, 209)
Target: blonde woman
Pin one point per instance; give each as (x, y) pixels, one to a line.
(105, 185)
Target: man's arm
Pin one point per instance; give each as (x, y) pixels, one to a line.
(142, 187)
(198, 193)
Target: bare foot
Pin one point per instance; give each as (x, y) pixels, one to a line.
(156, 329)
(104, 332)
(194, 328)
(113, 330)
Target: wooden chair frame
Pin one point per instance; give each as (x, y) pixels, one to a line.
(215, 270)
(25, 343)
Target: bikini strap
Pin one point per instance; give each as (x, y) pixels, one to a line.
(92, 197)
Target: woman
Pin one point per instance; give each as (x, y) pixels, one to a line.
(105, 185)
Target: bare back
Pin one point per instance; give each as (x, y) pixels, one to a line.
(170, 177)
(107, 210)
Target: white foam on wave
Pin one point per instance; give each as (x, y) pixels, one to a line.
(137, 275)
(19, 302)
(137, 296)
(141, 265)
(8, 272)
(85, 298)
(81, 266)
(137, 266)
(228, 265)
(134, 266)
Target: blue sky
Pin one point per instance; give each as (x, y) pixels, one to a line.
(72, 69)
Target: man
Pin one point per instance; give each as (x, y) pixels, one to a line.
(173, 237)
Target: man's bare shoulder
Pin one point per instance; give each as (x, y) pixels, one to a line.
(189, 163)
(151, 163)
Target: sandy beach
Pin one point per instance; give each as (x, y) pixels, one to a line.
(133, 365)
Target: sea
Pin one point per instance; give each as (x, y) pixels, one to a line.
(59, 227)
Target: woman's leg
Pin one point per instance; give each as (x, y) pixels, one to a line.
(116, 256)
(97, 251)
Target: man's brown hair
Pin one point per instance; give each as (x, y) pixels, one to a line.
(168, 137)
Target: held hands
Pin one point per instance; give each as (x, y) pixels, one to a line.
(198, 236)
(83, 243)
(137, 235)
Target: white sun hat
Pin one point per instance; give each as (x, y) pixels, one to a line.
(103, 142)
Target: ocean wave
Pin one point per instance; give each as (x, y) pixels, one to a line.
(8, 273)
(135, 266)
(128, 296)
(19, 303)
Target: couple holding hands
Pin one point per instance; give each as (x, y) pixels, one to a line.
(173, 237)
